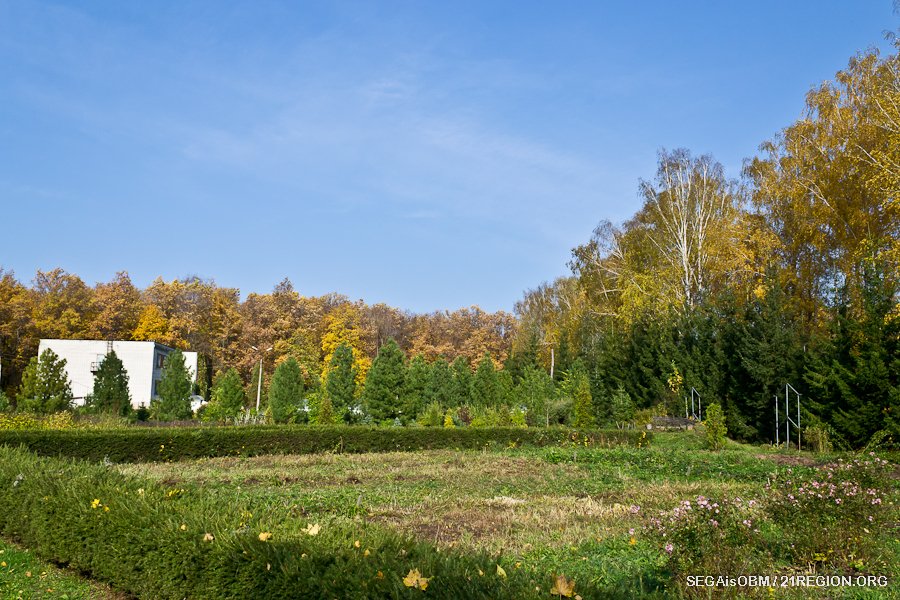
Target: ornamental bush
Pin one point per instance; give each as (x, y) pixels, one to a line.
(139, 444)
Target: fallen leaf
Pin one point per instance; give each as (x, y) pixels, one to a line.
(312, 529)
(265, 536)
(501, 572)
(563, 586)
(414, 579)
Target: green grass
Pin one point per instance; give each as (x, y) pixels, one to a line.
(540, 511)
(563, 509)
(22, 576)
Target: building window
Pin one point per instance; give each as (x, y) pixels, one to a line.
(160, 360)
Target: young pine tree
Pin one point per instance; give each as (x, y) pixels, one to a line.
(228, 397)
(462, 382)
(45, 385)
(174, 400)
(485, 385)
(440, 386)
(286, 392)
(110, 394)
(416, 388)
(340, 383)
(384, 384)
(578, 386)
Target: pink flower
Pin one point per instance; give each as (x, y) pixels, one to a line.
(669, 548)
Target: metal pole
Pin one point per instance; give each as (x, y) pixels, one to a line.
(259, 387)
(686, 415)
(777, 427)
(699, 406)
(787, 419)
(798, 421)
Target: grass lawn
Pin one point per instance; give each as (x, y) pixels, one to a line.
(23, 576)
(572, 510)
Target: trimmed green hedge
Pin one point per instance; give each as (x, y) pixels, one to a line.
(152, 542)
(161, 444)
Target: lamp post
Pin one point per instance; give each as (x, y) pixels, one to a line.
(259, 382)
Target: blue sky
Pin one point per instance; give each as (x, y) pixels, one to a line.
(429, 155)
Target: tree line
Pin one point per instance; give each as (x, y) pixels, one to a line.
(737, 287)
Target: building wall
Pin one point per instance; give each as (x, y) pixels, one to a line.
(140, 360)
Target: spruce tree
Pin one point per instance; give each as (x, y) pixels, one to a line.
(485, 386)
(416, 388)
(228, 397)
(173, 402)
(578, 386)
(535, 390)
(622, 408)
(462, 382)
(440, 386)
(286, 392)
(385, 383)
(45, 386)
(110, 394)
(340, 383)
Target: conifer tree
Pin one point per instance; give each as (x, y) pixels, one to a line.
(228, 397)
(462, 382)
(485, 386)
(416, 388)
(440, 385)
(286, 391)
(173, 402)
(578, 386)
(340, 382)
(535, 390)
(385, 384)
(110, 394)
(45, 385)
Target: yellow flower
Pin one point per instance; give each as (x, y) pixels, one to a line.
(415, 580)
(3, 564)
(95, 503)
(356, 544)
(183, 527)
(366, 553)
(106, 508)
(632, 541)
(265, 536)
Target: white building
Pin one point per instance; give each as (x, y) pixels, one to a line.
(142, 360)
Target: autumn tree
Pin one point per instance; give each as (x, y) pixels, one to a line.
(116, 309)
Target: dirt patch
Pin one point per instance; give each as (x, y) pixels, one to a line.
(794, 460)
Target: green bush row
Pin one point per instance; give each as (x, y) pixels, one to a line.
(161, 543)
(162, 444)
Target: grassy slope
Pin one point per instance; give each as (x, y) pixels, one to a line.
(22, 576)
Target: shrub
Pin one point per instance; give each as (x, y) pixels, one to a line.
(139, 444)
(431, 416)
(715, 427)
(160, 543)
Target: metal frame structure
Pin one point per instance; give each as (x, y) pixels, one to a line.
(788, 421)
(698, 415)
